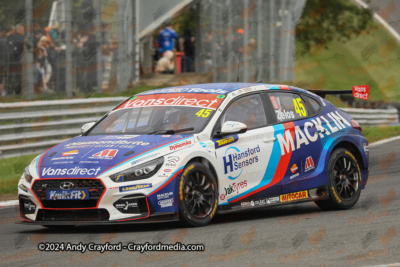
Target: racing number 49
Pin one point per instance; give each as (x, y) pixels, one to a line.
(299, 107)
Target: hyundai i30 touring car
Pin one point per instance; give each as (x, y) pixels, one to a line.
(189, 152)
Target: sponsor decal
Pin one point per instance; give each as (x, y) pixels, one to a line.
(167, 170)
(70, 153)
(163, 175)
(222, 197)
(166, 203)
(366, 148)
(119, 178)
(284, 115)
(274, 102)
(245, 204)
(294, 168)
(266, 201)
(89, 161)
(105, 154)
(141, 159)
(166, 135)
(194, 100)
(62, 158)
(134, 187)
(67, 194)
(235, 187)
(252, 203)
(23, 188)
(272, 200)
(226, 141)
(29, 206)
(106, 143)
(284, 87)
(164, 195)
(309, 164)
(361, 91)
(205, 144)
(287, 144)
(172, 161)
(126, 205)
(294, 196)
(177, 146)
(235, 160)
(70, 171)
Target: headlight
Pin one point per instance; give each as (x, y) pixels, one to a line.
(139, 172)
(27, 176)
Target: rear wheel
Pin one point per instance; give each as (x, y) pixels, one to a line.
(197, 195)
(344, 177)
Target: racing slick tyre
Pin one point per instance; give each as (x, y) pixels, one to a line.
(198, 195)
(344, 177)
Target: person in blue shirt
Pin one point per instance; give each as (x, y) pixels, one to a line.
(166, 39)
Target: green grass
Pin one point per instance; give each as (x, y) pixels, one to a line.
(11, 171)
(376, 133)
(342, 65)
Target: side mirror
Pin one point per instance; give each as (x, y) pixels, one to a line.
(232, 127)
(87, 126)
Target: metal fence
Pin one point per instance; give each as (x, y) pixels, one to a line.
(254, 37)
(66, 47)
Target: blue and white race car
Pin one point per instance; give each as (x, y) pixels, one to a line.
(189, 152)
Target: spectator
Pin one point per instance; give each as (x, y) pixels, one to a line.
(166, 64)
(166, 39)
(15, 43)
(40, 70)
(188, 48)
(89, 50)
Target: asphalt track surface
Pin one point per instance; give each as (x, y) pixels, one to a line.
(296, 235)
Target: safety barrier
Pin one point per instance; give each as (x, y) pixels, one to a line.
(32, 127)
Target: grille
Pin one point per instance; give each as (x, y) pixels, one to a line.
(94, 186)
(73, 215)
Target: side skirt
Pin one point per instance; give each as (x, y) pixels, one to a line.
(314, 194)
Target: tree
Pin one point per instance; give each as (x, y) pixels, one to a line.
(325, 20)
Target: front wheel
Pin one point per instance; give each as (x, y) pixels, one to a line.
(344, 181)
(198, 193)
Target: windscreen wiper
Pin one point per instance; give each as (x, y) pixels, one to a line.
(171, 131)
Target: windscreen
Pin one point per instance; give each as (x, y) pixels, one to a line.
(160, 114)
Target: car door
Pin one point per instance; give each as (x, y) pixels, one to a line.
(243, 158)
(298, 140)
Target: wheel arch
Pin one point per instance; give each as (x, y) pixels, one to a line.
(207, 163)
(353, 149)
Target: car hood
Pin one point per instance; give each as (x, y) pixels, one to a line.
(89, 156)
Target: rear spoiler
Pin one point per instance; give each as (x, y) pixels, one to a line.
(323, 93)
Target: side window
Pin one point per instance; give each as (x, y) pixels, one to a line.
(315, 106)
(288, 106)
(248, 110)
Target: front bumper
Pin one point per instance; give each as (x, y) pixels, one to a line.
(86, 216)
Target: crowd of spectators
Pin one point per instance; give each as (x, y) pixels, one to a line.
(49, 56)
